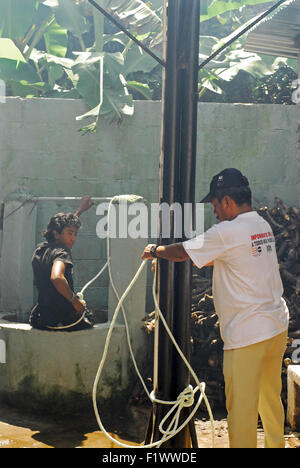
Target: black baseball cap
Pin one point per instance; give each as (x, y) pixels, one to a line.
(225, 179)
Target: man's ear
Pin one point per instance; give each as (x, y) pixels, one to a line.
(225, 201)
(55, 234)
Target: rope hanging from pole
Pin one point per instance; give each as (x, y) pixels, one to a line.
(185, 398)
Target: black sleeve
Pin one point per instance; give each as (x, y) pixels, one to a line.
(62, 254)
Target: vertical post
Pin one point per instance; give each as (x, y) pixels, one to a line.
(2, 206)
(18, 243)
(1, 224)
(188, 90)
(177, 184)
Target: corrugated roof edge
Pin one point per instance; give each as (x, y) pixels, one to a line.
(276, 12)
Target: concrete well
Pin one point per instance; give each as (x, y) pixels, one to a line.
(55, 371)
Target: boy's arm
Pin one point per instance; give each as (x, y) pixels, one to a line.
(86, 203)
(62, 286)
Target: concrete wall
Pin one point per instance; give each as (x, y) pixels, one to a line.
(260, 140)
(43, 154)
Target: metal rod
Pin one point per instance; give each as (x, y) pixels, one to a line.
(120, 26)
(2, 206)
(241, 33)
(188, 87)
(165, 277)
(152, 432)
(68, 198)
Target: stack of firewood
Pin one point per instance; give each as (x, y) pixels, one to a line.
(207, 346)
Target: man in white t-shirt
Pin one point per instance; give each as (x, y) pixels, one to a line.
(253, 316)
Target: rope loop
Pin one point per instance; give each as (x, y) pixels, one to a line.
(186, 397)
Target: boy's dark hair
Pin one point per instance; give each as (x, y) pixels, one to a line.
(240, 195)
(58, 222)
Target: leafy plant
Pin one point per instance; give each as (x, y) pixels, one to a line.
(36, 58)
(66, 49)
(234, 62)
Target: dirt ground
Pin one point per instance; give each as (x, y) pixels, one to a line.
(19, 429)
(203, 430)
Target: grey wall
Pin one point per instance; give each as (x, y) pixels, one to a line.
(260, 140)
(43, 154)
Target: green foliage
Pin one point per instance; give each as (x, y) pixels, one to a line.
(37, 55)
(16, 17)
(217, 7)
(234, 69)
(55, 48)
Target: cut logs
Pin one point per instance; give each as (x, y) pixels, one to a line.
(207, 345)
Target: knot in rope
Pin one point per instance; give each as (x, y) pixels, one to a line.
(186, 398)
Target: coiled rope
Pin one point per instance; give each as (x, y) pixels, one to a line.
(186, 397)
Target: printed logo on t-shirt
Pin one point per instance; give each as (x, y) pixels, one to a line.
(256, 251)
(259, 240)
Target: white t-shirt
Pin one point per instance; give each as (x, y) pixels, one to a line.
(247, 287)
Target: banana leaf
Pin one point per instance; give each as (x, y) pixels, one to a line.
(218, 7)
(16, 17)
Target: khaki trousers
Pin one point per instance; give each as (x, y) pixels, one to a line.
(253, 386)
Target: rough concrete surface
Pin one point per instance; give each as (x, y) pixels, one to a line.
(20, 429)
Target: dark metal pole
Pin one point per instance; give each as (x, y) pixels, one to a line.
(167, 180)
(188, 76)
(177, 184)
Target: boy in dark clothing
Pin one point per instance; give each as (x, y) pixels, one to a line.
(58, 307)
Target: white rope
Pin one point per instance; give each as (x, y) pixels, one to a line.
(186, 397)
(80, 296)
(63, 327)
